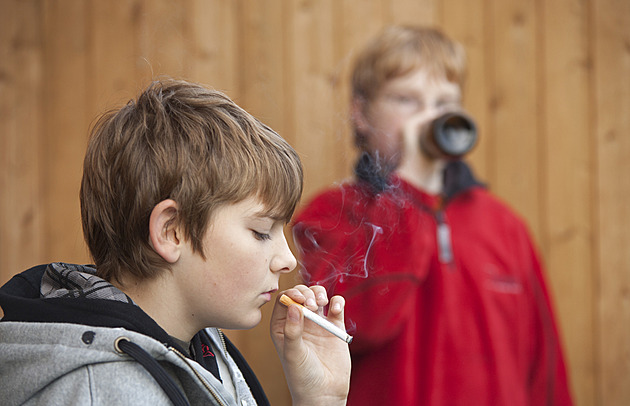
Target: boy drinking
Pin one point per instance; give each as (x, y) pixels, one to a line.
(441, 278)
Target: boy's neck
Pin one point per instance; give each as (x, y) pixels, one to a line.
(425, 174)
(156, 297)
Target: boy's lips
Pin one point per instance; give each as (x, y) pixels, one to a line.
(267, 294)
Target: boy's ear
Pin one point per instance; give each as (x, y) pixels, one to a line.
(357, 114)
(359, 121)
(164, 232)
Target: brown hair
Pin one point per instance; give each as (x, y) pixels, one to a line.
(399, 50)
(184, 142)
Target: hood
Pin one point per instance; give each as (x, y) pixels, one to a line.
(44, 361)
(68, 293)
(60, 318)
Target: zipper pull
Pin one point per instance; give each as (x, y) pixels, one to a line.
(445, 247)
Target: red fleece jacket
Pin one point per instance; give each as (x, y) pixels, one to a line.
(473, 329)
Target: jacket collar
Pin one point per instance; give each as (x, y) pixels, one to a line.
(458, 177)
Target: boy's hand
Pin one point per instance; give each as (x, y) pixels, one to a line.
(316, 363)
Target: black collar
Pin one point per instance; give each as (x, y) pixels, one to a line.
(458, 177)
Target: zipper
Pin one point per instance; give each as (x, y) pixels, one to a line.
(222, 337)
(445, 245)
(442, 231)
(227, 356)
(198, 375)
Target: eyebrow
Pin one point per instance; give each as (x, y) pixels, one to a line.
(266, 215)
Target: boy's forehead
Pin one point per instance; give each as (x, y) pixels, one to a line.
(418, 80)
(254, 207)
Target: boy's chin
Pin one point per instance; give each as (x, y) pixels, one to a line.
(247, 323)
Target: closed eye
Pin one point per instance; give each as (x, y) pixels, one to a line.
(261, 236)
(406, 100)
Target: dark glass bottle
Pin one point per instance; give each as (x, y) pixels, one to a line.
(450, 136)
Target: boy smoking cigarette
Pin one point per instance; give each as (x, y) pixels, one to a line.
(184, 200)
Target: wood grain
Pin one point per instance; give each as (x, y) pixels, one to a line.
(548, 84)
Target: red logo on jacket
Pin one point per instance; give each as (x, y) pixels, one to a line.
(205, 351)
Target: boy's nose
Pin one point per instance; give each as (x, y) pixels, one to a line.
(433, 110)
(283, 261)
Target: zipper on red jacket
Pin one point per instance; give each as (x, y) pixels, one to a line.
(444, 243)
(442, 230)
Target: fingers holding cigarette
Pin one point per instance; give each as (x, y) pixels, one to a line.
(316, 363)
(335, 311)
(314, 298)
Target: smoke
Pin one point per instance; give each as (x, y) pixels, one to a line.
(337, 263)
(340, 267)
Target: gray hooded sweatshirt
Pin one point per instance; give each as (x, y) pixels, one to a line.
(48, 358)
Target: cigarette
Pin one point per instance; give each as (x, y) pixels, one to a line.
(317, 319)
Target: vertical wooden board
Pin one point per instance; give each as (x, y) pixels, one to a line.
(261, 61)
(466, 21)
(416, 12)
(8, 134)
(213, 49)
(325, 140)
(569, 178)
(516, 107)
(359, 21)
(161, 35)
(353, 24)
(112, 54)
(611, 42)
(65, 126)
(20, 126)
(312, 66)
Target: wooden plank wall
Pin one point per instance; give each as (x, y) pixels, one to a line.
(549, 84)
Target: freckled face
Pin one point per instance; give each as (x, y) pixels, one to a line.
(246, 252)
(399, 100)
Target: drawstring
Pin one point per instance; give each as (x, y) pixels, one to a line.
(123, 345)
